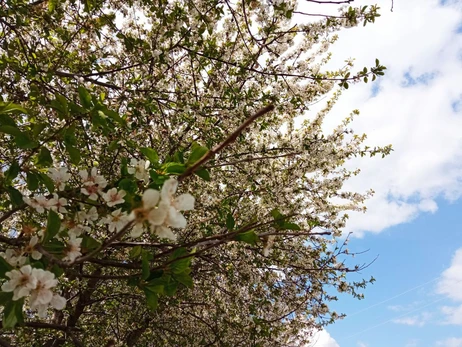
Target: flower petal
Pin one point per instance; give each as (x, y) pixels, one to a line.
(165, 233)
(184, 202)
(175, 219)
(150, 198)
(169, 188)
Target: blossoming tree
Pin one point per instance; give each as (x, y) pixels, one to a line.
(155, 189)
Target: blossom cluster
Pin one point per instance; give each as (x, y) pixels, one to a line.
(36, 283)
(159, 212)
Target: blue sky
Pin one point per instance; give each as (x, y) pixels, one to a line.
(414, 220)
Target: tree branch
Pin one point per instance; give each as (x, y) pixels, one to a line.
(230, 139)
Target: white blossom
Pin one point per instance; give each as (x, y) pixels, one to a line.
(93, 184)
(30, 248)
(90, 216)
(42, 296)
(57, 204)
(39, 202)
(139, 169)
(116, 221)
(21, 282)
(114, 197)
(148, 212)
(73, 249)
(60, 176)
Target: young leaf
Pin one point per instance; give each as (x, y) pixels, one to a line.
(53, 225)
(151, 154)
(197, 152)
(44, 158)
(85, 98)
(230, 221)
(203, 173)
(12, 314)
(248, 237)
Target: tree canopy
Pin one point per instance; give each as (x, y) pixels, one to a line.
(155, 187)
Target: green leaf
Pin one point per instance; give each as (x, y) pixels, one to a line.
(151, 299)
(32, 181)
(54, 246)
(53, 225)
(89, 243)
(180, 265)
(12, 171)
(135, 252)
(5, 298)
(4, 267)
(184, 279)
(37, 128)
(12, 314)
(151, 154)
(47, 181)
(23, 141)
(7, 120)
(174, 168)
(9, 107)
(44, 158)
(203, 173)
(15, 196)
(57, 270)
(197, 152)
(74, 154)
(156, 285)
(290, 226)
(52, 5)
(248, 237)
(128, 185)
(10, 130)
(230, 221)
(85, 98)
(171, 288)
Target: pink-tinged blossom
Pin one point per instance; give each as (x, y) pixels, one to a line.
(73, 249)
(116, 221)
(148, 212)
(93, 184)
(59, 176)
(30, 248)
(114, 197)
(57, 204)
(42, 296)
(139, 169)
(21, 282)
(90, 216)
(39, 202)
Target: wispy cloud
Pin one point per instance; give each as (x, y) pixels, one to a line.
(450, 342)
(418, 320)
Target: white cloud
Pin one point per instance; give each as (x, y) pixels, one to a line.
(450, 342)
(362, 344)
(453, 314)
(418, 119)
(323, 339)
(417, 320)
(412, 343)
(450, 285)
(451, 279)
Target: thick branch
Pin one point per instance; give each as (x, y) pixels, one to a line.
(230, 139)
